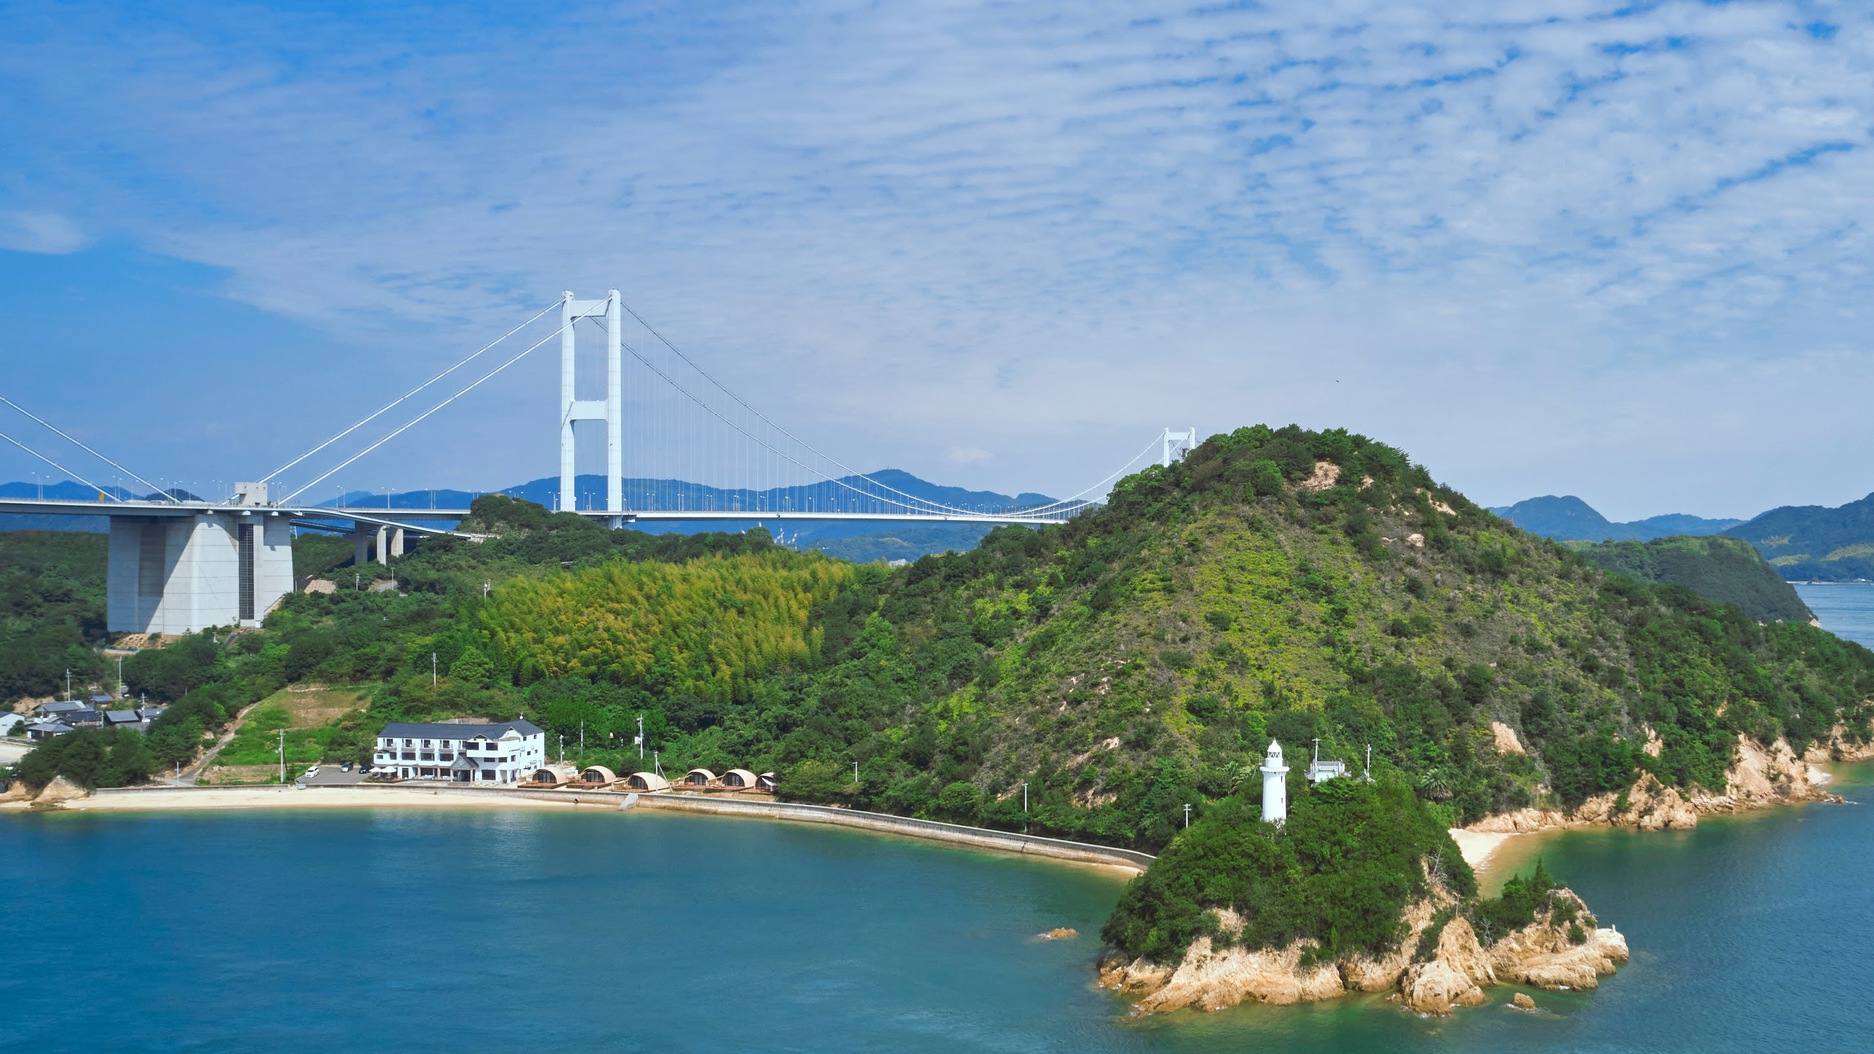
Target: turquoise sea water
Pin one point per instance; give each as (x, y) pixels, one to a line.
(400, 931)
(576, 932)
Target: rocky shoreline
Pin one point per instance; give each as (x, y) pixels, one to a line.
(1540, 955)
(1543, 954)
(1763, 777)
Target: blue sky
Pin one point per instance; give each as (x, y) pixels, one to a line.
(1614, 249)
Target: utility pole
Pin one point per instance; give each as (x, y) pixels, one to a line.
(582, 738)
(120, 677)
(640, 737)
(432, 672)
(68, 684)
(657, 764)
(1187, 815)
(562, 748)
(855, 773)
(1024, 795)
(282, 756)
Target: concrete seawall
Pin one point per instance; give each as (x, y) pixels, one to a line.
(956, 834)
(381, 794)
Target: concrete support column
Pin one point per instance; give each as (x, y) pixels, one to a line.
(396, 541)
(614, 407)
(568, 394)
(383, 545)
(360, 545)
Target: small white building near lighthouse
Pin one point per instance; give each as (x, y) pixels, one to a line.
(1274, 785)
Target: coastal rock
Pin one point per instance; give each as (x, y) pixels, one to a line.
(1542, 955)
(17, 792)
(1363, 973)
(1763, 776)
(1454, 977)
(1521, 1001)
(1059, 933)
(1838, 748)
(1211, 978)
(58, 792)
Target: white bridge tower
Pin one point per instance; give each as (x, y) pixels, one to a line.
(1177, 444)
(610, 409)
(1274, 785)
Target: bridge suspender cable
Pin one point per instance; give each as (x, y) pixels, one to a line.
(387, 407)
(925, 506)
(58, 466)
(413, 422)
(1065, 507)
(61, 434)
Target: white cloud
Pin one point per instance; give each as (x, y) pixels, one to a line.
(46, 233)
(1470, 227)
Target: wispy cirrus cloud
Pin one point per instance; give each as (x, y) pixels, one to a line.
(1468, 227)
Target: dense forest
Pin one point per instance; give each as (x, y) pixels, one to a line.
(1811, 543)
(51, 610)
(1276, 582)
(1727, 570)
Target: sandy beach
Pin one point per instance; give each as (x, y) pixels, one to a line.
(312, 798)
(1478, 846)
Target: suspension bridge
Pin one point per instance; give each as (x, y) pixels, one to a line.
(180, 563)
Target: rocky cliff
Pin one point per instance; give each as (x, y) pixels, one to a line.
(1763, 776)
(1564, 947)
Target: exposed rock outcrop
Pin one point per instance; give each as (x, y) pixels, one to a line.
(1456, 975)
(1544, 955)
(1214, 974)
(58, 792)
(1763, 776)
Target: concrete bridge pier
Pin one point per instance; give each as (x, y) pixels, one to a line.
(177, 574)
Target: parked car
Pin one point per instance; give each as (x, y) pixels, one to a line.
(346, 767)
(313, 771)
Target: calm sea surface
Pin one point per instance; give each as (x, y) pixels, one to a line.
(580, 932)
(1845, 610)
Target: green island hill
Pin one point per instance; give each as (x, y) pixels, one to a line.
(1359, 890)
(1721, 569)
(1277, 583)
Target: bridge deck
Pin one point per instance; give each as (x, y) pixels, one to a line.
(394, 516)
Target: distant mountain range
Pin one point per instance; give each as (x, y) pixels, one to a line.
(1811, 543)
(853, 541)
(1805, 543)
(1568, 518)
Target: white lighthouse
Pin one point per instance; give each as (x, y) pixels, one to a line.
(1274, 785)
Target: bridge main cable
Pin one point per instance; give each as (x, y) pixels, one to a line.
(418, 419)
(387, 407)
(61, 434)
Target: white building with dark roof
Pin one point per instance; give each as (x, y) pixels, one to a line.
(503, 753)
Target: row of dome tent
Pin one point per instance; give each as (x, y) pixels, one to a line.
(598, 777)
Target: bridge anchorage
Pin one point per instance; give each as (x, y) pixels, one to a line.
(180, 565)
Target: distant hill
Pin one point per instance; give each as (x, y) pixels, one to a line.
(1811, 543)
(1727, 570)
(1568, 518)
